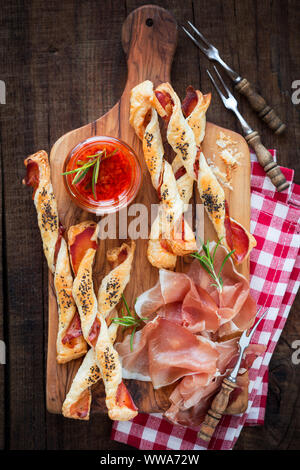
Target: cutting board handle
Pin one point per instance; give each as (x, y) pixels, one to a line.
(149, 38)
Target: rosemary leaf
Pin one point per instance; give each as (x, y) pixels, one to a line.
(83, 167)
(72, 171)
(96, 155)
(224, 261)
(120, 321)
(93, 182)
(215, 285)
(97, 170)
(128, 321)
(126, 305)
(206, 251)
(216, 247)
(204, 262)
(80, 175)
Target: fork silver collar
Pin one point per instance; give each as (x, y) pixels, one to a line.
(231, 73)
(245, 126)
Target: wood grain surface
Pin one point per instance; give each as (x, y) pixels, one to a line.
(58, 56)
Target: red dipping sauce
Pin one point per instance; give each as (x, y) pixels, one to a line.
(119, 176)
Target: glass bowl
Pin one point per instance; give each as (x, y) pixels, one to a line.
(119, 178)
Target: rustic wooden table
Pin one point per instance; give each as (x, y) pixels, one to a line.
(63, 66)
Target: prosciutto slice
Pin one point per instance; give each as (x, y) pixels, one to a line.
(202, 306)
(191, 337)
(166, 352)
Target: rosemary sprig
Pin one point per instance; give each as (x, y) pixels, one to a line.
(128, 321)
(93, 164)
(207, 262)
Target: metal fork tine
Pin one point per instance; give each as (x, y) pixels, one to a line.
(216, 87)
(222, 81)
(248, 333)
(203, 49)
(199, 34)
(230, 102)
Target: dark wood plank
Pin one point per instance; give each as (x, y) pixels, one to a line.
(2, 307)
(270, 58)
(23, 314)
(3, 286)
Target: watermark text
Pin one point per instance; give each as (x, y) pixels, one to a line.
(296, 93)
(2, 92)
(2, 352)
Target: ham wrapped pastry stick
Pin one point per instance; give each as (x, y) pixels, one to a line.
(170, 234)
(70, 342)
(102, 361)
(184, 136)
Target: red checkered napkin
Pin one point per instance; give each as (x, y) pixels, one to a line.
(275, 279)
(259, 183)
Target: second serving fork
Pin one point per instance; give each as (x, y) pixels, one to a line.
(220, 402)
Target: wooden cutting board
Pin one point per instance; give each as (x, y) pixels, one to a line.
(149, 38)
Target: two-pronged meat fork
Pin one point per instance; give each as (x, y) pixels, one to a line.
(221, 400)
(241, 84)
(252, 137)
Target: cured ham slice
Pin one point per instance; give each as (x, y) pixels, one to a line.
(192, 397)
(191, 337)
(203, 307)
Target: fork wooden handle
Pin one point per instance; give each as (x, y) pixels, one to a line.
(267, 162)
(216, 411)
(260, 106)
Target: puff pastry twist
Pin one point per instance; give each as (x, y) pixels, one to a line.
(166, 240)
(102, 361)
(185, 137)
